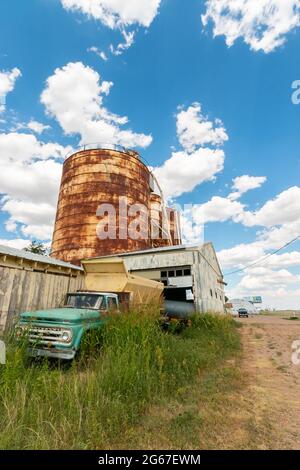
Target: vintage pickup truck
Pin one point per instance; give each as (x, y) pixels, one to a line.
(58, 333)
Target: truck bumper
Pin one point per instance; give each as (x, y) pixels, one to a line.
(53, 353)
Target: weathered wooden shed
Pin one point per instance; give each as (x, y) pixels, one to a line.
(31, 282)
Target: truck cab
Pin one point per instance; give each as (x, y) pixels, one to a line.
(57, 333)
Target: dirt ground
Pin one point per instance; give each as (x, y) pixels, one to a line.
(272, 396)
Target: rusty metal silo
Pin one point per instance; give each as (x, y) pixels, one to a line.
(174, 226)
(91, 178)
(160, 233)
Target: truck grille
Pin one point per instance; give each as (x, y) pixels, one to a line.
(48, 335)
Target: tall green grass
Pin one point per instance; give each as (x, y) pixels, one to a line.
(102, 396)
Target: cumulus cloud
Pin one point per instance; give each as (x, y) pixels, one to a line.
(30, 173)
(264, 278)
(245, 254)
(279, 288)
(194, 129)
(183, 171)
(198, 161)
(7, 84)
(74, 96)
(283, 209)
(18, 243)
(245, 183)
(262, 24)
(37, 127)
(21, 147)
(116, 13)
(36, 219)
(218, 209)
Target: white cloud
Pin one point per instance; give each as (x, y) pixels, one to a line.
(29, 212)
(117, 13)
(37, 181)
(18, 243)
(198, 161)
(40, 231)
(192, 232)
(20, 147)
(36, 219)
(283, 209)
(218, 209)
(247, 253)
(275, 237)
(278, 288)
(183, 171)
(240, 255)
(29, 179)
(245, 183)
(262, 24)
(123, 46)
(7, 84)
(269, 276)
(194, 129)
(262, 278)
(37, 127)
(74, 96)
(98, 52)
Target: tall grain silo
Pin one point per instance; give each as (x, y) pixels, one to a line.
(92, 178)
(160, 229)
(174, 226)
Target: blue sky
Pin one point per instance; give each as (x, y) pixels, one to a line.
(180, 74)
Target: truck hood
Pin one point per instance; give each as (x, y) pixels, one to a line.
(61, 314)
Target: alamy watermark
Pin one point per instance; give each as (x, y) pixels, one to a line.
(296, 92)
(137, 221)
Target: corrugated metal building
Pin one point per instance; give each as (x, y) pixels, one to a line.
(31, 282)
(189, 273)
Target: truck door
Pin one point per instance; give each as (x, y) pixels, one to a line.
(112, 304)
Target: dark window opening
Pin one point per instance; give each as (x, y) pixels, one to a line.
(171, 273)
(187, 272)
(179, 272)
(164, 274)
(178, 294)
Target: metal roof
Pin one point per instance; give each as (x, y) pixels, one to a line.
(155, 250)
(6, 250)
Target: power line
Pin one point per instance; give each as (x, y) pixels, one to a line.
(264, 258)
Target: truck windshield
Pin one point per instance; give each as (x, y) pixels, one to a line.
(84, 301)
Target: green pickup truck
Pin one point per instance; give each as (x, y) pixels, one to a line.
(57, 333)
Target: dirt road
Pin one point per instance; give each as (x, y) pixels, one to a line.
(273, 393)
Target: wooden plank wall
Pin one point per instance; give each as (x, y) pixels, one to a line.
(22, 290)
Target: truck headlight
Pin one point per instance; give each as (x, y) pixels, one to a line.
(66, 336)
(19, 331)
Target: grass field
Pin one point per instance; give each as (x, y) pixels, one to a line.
(141, 390)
